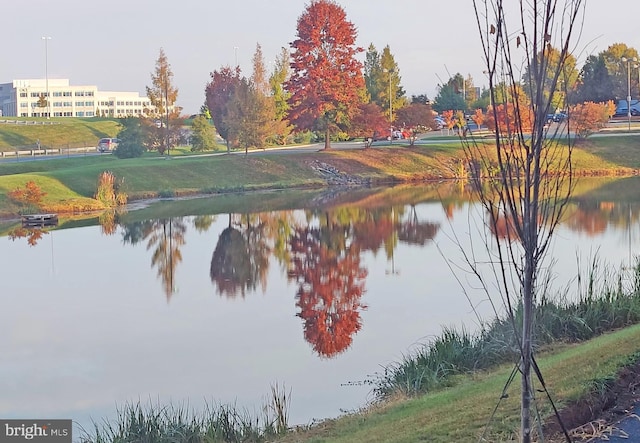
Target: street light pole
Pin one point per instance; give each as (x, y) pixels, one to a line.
(166, 109)
(46, 74)
(628, 62)
(390, 72)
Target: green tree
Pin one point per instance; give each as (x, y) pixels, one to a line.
(391, 91)
(618, 69)
(448, 98)
(595, 84)
(326, 81)
(373, 75)
(132, 137)
(556, 82)
(281, 127)
(204, 136)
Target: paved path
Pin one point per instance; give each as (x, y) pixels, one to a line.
(627, 430)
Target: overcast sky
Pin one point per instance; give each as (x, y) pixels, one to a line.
(114, 44)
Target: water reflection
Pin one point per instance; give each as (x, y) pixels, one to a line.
(241, 257)
(329, 311)
(164, 238)
(32, 234)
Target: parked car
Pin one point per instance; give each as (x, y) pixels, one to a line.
(107, 144)
(557, 117)
(622, 109)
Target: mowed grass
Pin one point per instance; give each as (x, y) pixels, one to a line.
(55, 133)
(461, 412)
(152, 175)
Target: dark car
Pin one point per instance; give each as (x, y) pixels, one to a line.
(107, 144)
(557, 117)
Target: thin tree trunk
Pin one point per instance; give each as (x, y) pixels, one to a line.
(527, 316)
(327, 141)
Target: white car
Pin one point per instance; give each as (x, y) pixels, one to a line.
(107, 144)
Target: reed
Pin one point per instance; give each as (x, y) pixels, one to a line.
(605, 301)
(154, 423)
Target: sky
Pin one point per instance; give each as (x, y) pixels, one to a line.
(115, 44)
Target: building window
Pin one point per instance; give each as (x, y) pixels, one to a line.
(57, 104)
(89, 104)
(57, 114)
(23, 94)
(67, 104)
(24, 114)
(66, 94)
(89, 93)
(90, 114)
(79, 93)
(80, 114)
(57, 94)
(24, 105)
(35, 94)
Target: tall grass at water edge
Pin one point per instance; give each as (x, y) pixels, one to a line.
(176, 424)
(605, 300)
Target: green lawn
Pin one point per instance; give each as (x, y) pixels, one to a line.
(460, 413)
(55, 133)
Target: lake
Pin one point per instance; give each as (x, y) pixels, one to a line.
(214, 300)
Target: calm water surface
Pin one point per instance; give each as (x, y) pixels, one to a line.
(198, 308)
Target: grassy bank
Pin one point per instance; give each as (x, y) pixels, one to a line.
(54, 133)
(447, 390)
(67, 180)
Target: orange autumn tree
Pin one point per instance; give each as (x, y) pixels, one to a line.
(449, 119)
(513, 111)
(326, 79)
(31, 195)
(478, 117)
(505, 118)
(590, 117)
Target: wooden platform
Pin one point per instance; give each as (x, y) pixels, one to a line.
(40, 219)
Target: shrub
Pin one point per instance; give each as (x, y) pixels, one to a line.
(30, 196)
(109, 190)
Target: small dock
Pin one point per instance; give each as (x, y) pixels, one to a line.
(40, 220)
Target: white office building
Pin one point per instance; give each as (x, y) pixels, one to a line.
(57, 98)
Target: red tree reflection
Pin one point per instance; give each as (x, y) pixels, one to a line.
(331, 283)
(33, 235)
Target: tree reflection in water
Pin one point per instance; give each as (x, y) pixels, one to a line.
(164, 237)
(331, 283)
(32, 234)
(241, 257)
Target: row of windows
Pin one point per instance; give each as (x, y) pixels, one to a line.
(60, 114)
(59, 104)
(60, 94)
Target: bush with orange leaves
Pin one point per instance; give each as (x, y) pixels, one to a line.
(31, 195)
(590, 117)
(505, 118)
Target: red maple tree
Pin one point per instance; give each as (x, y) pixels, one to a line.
(326, 79)
(369, 122)
(219, 94)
